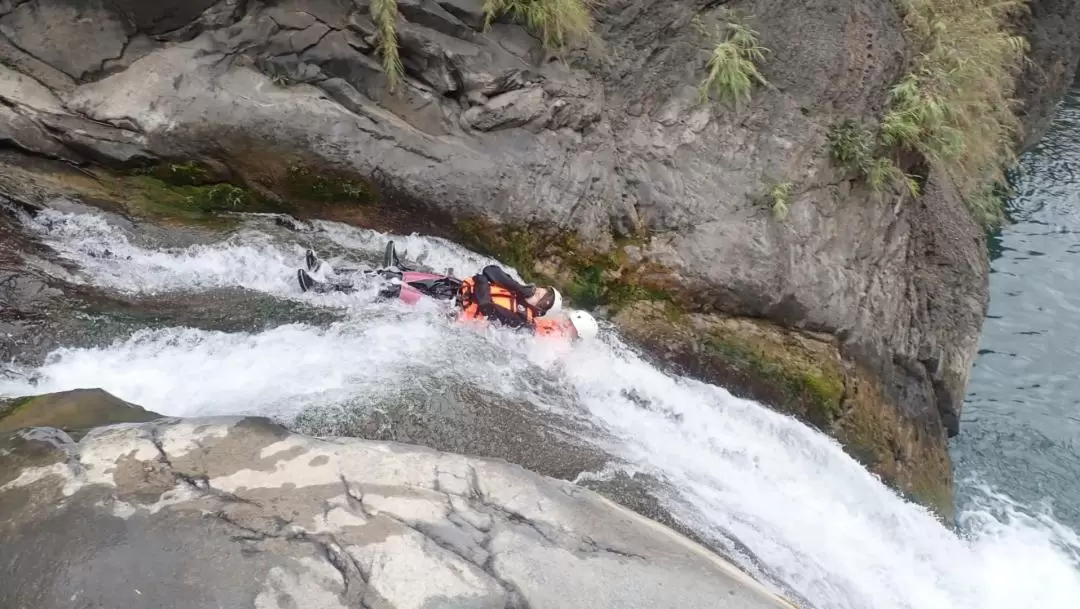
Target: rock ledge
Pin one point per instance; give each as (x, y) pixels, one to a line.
(240, 512)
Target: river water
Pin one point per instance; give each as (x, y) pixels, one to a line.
(818, 523)
(1020, 429)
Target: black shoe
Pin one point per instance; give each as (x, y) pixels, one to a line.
(313, 263)
(306, 282)
(390, 257)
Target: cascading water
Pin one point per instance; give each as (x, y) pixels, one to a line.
(818, 523)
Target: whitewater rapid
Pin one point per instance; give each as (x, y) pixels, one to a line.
(818, 523)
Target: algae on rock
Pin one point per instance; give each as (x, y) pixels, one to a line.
(75, 410)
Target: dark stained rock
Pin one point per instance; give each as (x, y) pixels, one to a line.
(78, 409)
(468, 11)
(163, 15)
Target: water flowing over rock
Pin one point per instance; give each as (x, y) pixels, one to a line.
(612, 147)
(238, 512)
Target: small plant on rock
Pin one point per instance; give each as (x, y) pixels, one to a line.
(732, 68)
(853, 147)
(306, 184)
(781, 199)
(384, 13)
(558, 23)
(955, 108)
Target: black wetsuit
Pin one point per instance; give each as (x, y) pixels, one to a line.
(493, 274)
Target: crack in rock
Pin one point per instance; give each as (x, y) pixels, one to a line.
(254, 534)
(200, 483)
(10, 7)
(102, 70)
(328, 547)
(15, 45)
(515, 598)
(592, 547)
(353, 578)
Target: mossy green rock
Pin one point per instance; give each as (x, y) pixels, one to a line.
(74, 410)
(804, 375)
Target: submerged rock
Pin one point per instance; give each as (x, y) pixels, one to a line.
(471, 421)
(238, 512)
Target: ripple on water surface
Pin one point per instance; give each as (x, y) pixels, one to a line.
(1020, 430)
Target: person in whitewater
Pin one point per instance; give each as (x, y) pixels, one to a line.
(494, 295)
(490, 296)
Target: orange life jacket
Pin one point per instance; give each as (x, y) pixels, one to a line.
(500, 296)
(560, 328)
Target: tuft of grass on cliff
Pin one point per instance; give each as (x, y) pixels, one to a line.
(954, 108)
(732, 67)
(780, 194)
(853, 147)
(385, 13)
(558, 24)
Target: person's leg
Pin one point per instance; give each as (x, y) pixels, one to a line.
(495, 274)
(309, 284)
(482, 294)
(494, 312)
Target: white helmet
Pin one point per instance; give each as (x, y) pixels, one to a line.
(556, 303)
(585, 324)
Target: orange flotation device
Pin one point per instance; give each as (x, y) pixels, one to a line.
(470, 311)
(500, 296)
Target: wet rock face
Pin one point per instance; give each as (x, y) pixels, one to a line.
(1052, 27)
(805, 375)
(27, 293)
(239, 512)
